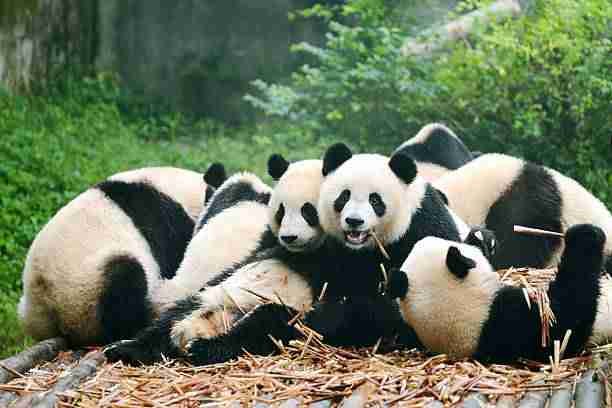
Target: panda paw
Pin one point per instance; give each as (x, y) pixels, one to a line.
(130, 352)
(585, 237)
(208, 351)
(483, 239)
(205, 325)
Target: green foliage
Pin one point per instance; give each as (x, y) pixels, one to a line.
(57, 144)
(538, 86)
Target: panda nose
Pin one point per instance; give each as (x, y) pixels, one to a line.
(287, 239)
(353, 222)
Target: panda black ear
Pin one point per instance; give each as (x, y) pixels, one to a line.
(335, 156)
(403, 166)
(277, 166)
(458, 264)
(215, 175)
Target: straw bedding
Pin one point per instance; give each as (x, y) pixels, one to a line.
(309, 371)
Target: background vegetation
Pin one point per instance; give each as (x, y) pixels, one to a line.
(539, 87)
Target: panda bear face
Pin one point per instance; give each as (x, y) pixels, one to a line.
(293, 215)
(366, 195)
(450, 290)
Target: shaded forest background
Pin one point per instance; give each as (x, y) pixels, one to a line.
(75, 108)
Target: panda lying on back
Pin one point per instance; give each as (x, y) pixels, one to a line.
(454, 300)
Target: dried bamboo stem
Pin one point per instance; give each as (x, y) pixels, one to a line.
(536, 231)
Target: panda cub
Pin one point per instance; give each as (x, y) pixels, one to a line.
(456, 303)
(436, 150)
(268, 274)
(499, 191)
(90, 271)
(236, 216)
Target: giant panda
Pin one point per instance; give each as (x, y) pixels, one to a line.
(452, 297)
(90, 270)
(369, 197)
(231, 227)
(499, 191)
(436, 150)
(282, 270)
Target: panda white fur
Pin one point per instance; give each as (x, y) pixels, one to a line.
(436, 150)
(91, 269)
(457, 304)
(500, 191)
(280, 271)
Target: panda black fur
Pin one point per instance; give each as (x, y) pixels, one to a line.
(90, 271)
(457, 304)
(500, 191)
(436, 150)
(277, 271)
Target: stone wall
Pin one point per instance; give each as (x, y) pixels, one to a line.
(195, 55)
(39, 38)
(200, 55)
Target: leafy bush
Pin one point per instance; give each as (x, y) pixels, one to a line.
(538, 86)
(56, 144)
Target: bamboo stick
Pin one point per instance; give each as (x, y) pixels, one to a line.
(536, 231)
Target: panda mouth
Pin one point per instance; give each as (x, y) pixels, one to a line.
(356, 237)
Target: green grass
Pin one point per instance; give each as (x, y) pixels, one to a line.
(52, 147)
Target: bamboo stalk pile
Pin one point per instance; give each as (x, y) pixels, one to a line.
(305, 374)
(309, 372)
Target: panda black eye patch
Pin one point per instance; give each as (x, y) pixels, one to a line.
(377, 204)
(309, 212)
(342, 199)
(280, 214)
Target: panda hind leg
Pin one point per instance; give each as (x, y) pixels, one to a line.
(123, 307)
(575, 292)
(252, 333)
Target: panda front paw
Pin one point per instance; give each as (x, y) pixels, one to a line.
(208, 351)
(483, 239)
(201, 324)
(131, 352)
